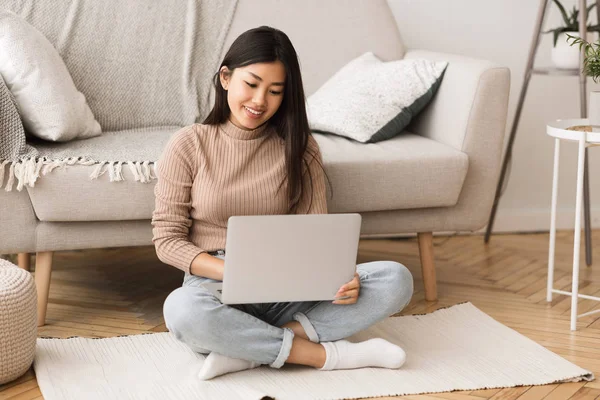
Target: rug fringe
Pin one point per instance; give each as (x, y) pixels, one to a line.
(27, 171)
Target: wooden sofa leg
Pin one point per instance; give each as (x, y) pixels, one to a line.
(428, 265)
(24, 261)
(43, 269)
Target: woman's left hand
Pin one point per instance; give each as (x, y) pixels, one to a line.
(349, 292)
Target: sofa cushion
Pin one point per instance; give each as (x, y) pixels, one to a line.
(408, 171)
(99, 199)
(50, 105)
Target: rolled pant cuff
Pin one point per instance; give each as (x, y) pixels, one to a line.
(286, 346)
(309, 329)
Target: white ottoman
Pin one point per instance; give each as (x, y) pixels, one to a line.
(18, 321)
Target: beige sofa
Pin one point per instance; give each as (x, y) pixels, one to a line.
(439, 176)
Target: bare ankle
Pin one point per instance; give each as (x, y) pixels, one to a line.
(297, 328)
(305, 352)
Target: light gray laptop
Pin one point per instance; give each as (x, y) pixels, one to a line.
(284, 258)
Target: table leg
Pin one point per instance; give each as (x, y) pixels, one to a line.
(587, 222)
(577, 244)
(551, 252)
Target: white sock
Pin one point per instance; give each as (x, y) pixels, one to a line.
(377, 352)
(216, 364)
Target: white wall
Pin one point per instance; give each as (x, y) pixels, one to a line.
(501, 31)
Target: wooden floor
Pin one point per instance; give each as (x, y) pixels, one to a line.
(109, 292)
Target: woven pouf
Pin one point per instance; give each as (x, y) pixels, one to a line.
(18, 321)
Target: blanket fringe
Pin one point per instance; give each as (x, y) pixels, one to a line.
(2, 164)
(118, 172)
(97, 172)
(131, 165)
(138, 166)
(26, 172)
(11, 177)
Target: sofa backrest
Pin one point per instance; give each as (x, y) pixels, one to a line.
(325, 33)
(146, 63)
(138, 63)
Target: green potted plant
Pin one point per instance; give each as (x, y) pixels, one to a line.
(591, 68)
(563, 56)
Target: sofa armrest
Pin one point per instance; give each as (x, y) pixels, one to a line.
(469, 113)
(472, 91)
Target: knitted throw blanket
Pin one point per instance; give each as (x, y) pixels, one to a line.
(196, 45)
(13, 146)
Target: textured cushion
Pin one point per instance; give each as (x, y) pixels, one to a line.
(50, 105)
(408, 171)
(369, 100)
(18, 321)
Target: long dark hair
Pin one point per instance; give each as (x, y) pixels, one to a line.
(262, 45)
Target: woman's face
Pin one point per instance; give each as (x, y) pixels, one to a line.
(254, 92)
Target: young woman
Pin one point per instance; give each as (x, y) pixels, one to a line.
(254, 155)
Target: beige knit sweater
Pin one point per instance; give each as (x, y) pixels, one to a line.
(208, 173)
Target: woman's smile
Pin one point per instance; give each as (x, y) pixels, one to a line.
(253, 113)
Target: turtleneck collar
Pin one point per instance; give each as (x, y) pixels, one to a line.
(241, 134)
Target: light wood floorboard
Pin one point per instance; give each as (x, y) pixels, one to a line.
(120, 291)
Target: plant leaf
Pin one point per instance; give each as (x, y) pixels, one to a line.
(562, 11)
(574, 17)
(593, 28)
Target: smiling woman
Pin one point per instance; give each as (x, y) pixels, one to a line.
(254, 155)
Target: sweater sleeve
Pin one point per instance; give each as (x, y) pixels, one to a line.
(314, 193)
(171, 219)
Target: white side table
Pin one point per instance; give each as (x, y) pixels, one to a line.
(558, 130)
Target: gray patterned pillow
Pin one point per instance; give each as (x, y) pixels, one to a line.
(369, 100)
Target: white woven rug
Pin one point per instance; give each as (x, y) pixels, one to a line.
(457, 348)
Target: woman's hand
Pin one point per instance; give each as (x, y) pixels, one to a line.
(348, 293)
(208, 266)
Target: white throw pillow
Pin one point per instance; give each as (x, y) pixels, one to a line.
(50, 105)
(369, 100)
